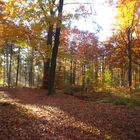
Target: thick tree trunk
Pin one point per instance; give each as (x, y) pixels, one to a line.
(45, 74)
(55, 50)
(47, 62)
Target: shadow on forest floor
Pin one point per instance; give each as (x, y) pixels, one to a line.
(62, 116)
(116, 97)
(20, 124)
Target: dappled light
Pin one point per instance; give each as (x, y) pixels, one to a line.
(51, 116)
(69, 69)
(61, 116)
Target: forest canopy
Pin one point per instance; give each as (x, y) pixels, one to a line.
(40, 48)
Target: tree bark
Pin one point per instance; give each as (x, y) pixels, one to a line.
(7, 64)
(45, 74)
(55, 50)
(71, 72)
(83, 76)
(74, 73)
(103, 70)
(4, 68)
(47, 62)
(31, 71)
(18, 61)
(122, 76)
(129, 60)
(10, 67)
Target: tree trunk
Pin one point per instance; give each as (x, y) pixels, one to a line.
(18, 61)
(135, 77)
(111, 72)
(74, 73)
(55, 50)
(83, 75)
(31, 72)
(4, 69)
(65, 76)
(25, 76)
(96, 74)
(130, 68)
(103, 70)
(129, 60)
(45, 74)
(122, 76)
(10, 67)
(47, 62)
(7, 64)
(71, 72)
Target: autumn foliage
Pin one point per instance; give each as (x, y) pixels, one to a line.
(94, 84)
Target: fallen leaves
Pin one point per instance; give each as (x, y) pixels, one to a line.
(30, 115)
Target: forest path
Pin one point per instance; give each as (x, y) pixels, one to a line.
(28, 114)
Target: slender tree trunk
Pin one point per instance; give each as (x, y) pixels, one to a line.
(71, 72)
(83, 75)
(103, 70)
(96, 74)
(74, 73)
(135, 76)
(129, 60)
(25, 76)
(4, 68)
(129, 68)
(122, 76)
(65, 80)
(18, 61)
(55, 50)
(31, 71)
(10, 67)
(111, 72)
(38, 76)
(7, 64)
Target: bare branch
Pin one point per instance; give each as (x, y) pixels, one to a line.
(74, 3)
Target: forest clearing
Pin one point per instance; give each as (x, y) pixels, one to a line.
(69, 70)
